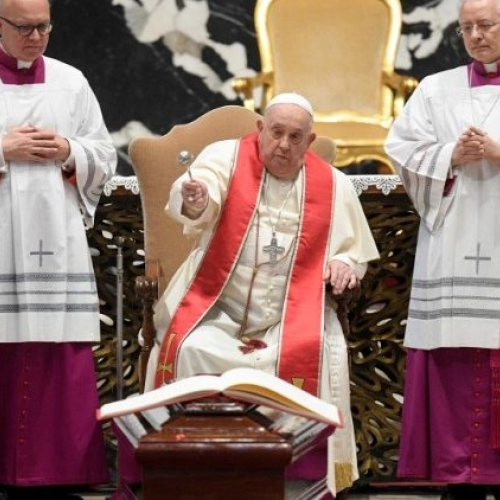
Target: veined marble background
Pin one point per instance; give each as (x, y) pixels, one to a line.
(157, 63)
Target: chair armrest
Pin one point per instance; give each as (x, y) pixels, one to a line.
(246, 85)
(402, 86)
(146, 290)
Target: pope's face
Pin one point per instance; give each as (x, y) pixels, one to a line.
(24, 12)
(284, 136)
(480, 23)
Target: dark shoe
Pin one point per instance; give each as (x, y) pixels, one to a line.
(466, 492)
(42, 493)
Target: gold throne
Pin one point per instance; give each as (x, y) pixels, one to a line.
(340, 55)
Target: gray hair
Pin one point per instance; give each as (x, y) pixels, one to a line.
(462, 2)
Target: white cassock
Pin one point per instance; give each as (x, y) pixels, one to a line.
(213, 346)
(47, 286)
(456, 283)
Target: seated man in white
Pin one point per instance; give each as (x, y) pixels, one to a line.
(273, 223)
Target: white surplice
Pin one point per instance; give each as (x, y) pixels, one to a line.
(455, 300)
(47, 284)
(213, 347)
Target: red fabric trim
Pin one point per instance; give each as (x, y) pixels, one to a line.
(302, 326)
(448, 185)
(70, 176)
(219, 259)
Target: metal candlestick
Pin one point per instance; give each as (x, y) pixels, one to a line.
(119, 318)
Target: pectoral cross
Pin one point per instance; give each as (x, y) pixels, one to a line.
(273, 249)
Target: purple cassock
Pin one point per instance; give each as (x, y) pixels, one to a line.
(446, 418)
(49, 434)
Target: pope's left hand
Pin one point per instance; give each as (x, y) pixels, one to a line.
(340, 276)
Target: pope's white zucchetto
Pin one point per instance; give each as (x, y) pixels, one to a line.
(291, 98)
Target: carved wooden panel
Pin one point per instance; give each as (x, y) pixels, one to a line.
(377, 331)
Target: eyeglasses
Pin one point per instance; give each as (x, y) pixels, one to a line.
(482, 27)
(27, 29)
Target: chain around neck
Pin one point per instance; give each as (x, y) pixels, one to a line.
(287, 196)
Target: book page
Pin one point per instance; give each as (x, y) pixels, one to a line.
(156, 416)
(181, 390)
(131, 428)
(263, 388)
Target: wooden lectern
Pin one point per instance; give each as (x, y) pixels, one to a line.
(214, 448)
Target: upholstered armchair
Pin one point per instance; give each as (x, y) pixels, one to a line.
(340, 55)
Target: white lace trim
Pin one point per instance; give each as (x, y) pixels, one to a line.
(128, 182)
(383, 183)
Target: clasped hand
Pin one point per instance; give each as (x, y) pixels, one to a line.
(475, 144)
(34, 144)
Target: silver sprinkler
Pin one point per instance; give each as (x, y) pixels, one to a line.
(185, 158)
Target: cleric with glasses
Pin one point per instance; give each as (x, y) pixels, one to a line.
(445, 146)
(55, 158)
(27, 29)
(485, 26)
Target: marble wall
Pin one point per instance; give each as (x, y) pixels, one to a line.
(156, 63)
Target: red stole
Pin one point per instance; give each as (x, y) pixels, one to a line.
(302, 319)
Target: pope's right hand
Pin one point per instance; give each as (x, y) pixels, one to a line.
(194, 197)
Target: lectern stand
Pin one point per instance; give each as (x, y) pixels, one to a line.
(214, 449)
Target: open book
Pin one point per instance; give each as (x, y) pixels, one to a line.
(242, 384)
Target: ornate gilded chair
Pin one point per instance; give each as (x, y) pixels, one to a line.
(155, 162)
(340, 55)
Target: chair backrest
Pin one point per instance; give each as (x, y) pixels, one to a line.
(154, 160)
(332, 51)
